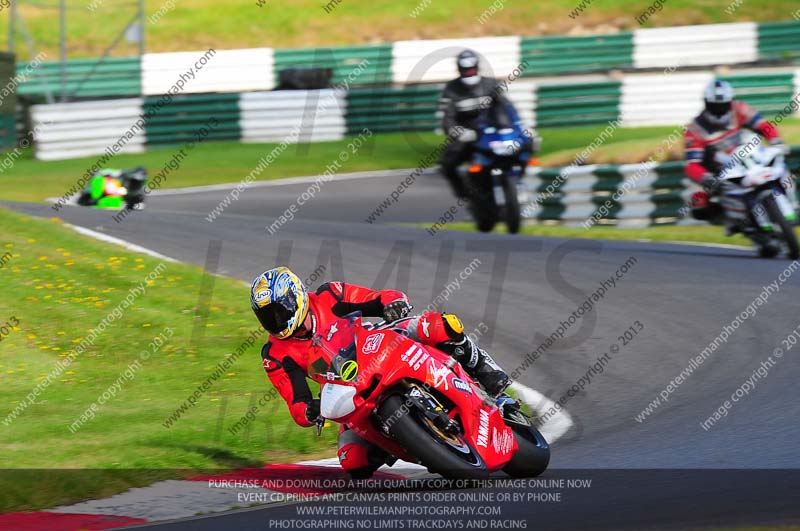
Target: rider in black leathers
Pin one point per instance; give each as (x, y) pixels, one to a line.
(462, 101)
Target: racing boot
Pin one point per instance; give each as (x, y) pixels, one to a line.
(511, 409)
(493, 379)
(445, 332)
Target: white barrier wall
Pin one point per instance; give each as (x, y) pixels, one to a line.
(523, 95)
(71, 130)
(435, 60)
(203, 71)
(695, 45)
(797, 90)
(636, 199)
(310, 115)
(634, 194)
(662, 99)
(577, 192)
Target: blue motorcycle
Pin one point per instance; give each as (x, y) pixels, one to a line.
(500, 156)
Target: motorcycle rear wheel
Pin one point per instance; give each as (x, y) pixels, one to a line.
(420, 440)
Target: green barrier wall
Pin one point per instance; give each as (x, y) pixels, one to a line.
(779, 41)
(352, 65)
(577, 104)
(114, 76)
(177, 122)
(387, 110)
(8, 103)
(556, 55)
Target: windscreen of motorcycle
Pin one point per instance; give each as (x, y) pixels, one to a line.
(333, 352)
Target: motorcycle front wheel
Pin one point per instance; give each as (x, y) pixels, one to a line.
(532, 455)
(446, 454)
(482, 204)
(513, 214)
(787, 227)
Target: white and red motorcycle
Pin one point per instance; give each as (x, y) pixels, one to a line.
(758, 198)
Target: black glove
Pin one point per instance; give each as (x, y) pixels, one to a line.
(396, 310)
(312, 411)
(711, 183)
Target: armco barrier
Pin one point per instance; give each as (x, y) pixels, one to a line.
(293, 115)
(351, 65)
(778, 41)
(562, 55)
(434, 60)
(8, 102)
(524, 95)
(796, 89)
(112, 76)
(70, 130)
(389, 110)
(223, 71)
(577, 104)
(769, 93)
(625, 195)
(712, 44)
(179, 120)
(587, 193)
(664, 99)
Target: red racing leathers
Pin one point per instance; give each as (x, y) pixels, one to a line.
(286, 360)
(701, 135)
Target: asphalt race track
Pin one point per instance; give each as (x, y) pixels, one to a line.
(522, 288)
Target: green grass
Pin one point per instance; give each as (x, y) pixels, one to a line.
(59, 285)
(664, 233)
(224, 162)
(213, 163)
(200, 24)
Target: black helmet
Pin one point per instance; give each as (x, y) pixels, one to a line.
(467, 62)
(137, 174)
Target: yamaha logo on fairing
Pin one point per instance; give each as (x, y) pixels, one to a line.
(461, 385)
(483, 429)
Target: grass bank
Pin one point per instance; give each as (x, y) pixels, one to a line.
(666, 233)
(224, 162)
(104, 415)
(179, 25)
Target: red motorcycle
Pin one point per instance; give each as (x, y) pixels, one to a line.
(418, 403)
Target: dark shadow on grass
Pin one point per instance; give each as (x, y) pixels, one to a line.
(222, 458)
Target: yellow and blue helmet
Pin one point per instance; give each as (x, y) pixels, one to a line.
(280, 301)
